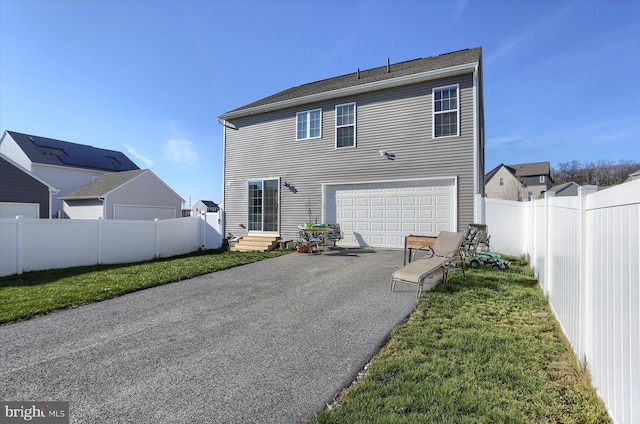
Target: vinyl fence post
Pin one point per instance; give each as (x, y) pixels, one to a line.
(586, 278)
(157, 241)
(548, 249)
(203, 230)
(99, 247)
(19, 245)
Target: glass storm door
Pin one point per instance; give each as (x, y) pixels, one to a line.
(263, 205)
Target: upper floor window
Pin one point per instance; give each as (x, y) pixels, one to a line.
(346, 125)
(501, 181)
(541, 179)
(446, 111)
(308, 124)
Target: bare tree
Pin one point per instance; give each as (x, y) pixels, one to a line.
(602, 172)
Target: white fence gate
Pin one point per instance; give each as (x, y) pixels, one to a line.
(585, 252)
(38, 244)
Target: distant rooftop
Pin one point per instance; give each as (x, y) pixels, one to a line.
(63, 153)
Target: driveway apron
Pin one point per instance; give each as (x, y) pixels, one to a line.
(269, 342)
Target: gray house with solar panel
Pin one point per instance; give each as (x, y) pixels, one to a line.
(64, 165)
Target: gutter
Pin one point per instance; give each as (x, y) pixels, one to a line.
(348, 91)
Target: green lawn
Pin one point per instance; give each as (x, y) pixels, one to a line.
(36, 293)
(475, 351)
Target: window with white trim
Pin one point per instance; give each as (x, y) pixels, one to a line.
(446, 108)
(346, 125)
(309, 124)
(501, 181)
(541, 179)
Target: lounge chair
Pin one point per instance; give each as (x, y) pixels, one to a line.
(445, 254)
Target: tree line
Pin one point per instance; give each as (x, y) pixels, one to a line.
(601, 173)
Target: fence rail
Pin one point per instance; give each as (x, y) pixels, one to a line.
(38, 244)
(585, 252)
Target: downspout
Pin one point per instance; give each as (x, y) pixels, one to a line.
(52, 191)
(224, 173)
(104, 206)
(476, 152)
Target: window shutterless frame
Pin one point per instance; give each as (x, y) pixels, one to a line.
(446, 111)
(309, 124)
(346, 125)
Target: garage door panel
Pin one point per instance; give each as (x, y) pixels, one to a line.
(382, 214)
(392, 214)
(443, 200)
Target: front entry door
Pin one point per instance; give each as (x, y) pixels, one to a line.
(263, 205)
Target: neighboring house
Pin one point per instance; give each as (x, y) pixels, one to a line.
(520, 182)
(138, 195)
(633, 176)
(384, 152)
(62, 164)
(204, 206)
(565, 189)
(22, 193)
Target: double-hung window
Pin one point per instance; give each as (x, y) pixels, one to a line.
(309, 124)
(446, 111)
(346, 125)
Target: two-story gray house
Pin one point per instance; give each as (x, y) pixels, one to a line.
(384, 152)
(521, 182)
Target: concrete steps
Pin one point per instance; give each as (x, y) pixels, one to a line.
(255, 244)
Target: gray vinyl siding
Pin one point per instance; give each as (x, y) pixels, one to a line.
(18, 187)
(397, 120)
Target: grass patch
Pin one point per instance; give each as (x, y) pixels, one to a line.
(474, 352)
(37, 293)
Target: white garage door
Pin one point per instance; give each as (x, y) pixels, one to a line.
(26, 210)
(143, 212)
(382, 214)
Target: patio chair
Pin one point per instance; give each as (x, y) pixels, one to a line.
(445, 255)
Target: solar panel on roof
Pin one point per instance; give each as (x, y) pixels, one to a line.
(86, 156)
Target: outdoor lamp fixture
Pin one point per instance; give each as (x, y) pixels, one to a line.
(386, 154)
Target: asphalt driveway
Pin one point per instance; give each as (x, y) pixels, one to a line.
(269, 342)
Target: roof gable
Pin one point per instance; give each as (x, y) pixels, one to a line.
(49, 151)
(368, 78)
(532, 169)
(103, 185)
(10, 162)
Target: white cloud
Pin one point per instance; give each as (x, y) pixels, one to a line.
(460, 7)
(146, 162)
(180, 152)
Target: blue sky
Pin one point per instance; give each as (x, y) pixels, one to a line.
(150, 77)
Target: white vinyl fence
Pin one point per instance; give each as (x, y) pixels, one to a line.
(28, 244)
(585, 252)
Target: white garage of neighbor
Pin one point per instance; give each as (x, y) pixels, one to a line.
(380, 214)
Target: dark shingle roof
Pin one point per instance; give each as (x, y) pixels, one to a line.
(209, 203)
(531, 169)
(63, 153)
(397, 70)
(103, 185)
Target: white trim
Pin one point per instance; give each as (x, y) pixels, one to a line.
(454, 219)
(350, 91)
(355, 125)
(308, 129)
(433, 110)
